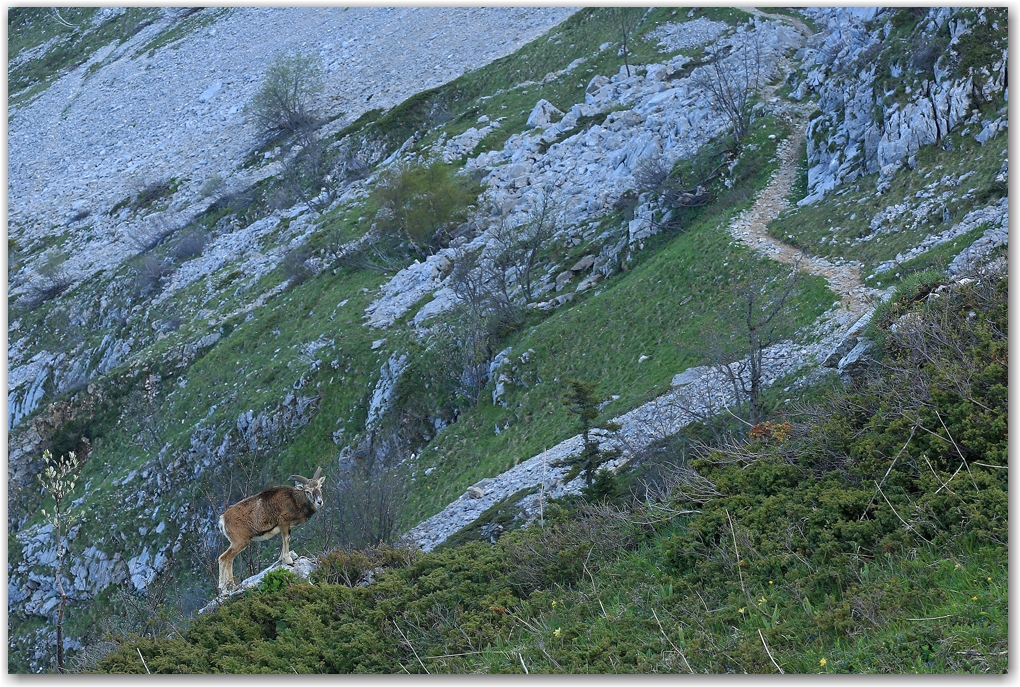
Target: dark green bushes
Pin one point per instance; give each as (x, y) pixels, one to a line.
(872, 538)
(914, 456)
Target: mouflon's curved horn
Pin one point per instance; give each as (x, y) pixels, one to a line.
(299, 478)
(318, 473)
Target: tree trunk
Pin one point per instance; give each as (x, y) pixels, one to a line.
(63, 594)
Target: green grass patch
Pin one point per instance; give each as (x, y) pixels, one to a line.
(72, 47)
(661, 308)
(831, 227)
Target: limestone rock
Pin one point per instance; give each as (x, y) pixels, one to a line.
(856, 361)
(689, 375)
(542, 114)
(589, 282)
(583, 264)
(303, 567)
(597, 82)
(562, 278)
(382, 395)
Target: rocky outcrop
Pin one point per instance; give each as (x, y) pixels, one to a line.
(648, 116)
(862, 128)
(543, 114)
(128, 117)
(382, 395)
(995, 217)
(302, 568)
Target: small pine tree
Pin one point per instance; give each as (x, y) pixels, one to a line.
(605, 487)
(584, 402)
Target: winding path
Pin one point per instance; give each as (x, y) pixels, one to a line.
(698, 392)
(750, 227)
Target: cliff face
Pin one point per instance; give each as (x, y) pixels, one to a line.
(198, 339)
(892, 81)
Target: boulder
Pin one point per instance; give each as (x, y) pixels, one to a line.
(856, 361)
(583, 264)
(659, 72)
(562, 278)
(210, 92)
(691, 374)
(591, 281)
(441, 266)
(543, 114)
(840, 351)
(597, 82)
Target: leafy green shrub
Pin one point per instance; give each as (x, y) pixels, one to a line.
(282, 103)
(605, 486)
(435, 604)
(422, 204)
(275, 580)
(881, 471)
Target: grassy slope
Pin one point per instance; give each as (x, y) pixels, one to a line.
(828, 228)
(663, 308)
(813, 587)
(467, 450)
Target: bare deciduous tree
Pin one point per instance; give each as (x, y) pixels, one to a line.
(762, 316)
(58, 480)
(496, 283)
(54, 278)
(370, 498)
(627, 19)
(306, 178)
(731, 81)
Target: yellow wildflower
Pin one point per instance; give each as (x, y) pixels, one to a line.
(741, 610)
(821, 662)
(554, 603)
(556, 632)
(973, 598)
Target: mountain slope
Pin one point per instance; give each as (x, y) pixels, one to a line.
(201, 335)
